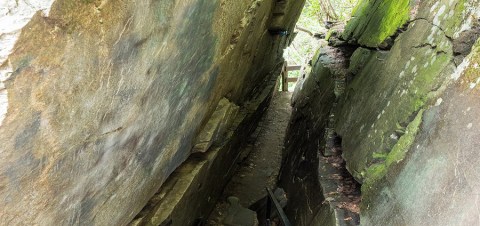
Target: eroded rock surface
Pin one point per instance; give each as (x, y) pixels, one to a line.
(106, 99)
(406, 118)
(312, 102)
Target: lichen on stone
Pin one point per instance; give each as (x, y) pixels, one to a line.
(471, 74)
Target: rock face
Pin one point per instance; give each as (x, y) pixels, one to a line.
(103, 100)
(216, 126)
(374, 21)
(312, 102)
(189, 194)
(408, 116)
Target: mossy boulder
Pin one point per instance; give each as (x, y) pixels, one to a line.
(374, 21)
(388, 92)
(434, 170)
(407, 114)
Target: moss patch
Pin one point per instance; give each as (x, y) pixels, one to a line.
(455, 22)
(401, 148)
(360, 57)
(330, 33)
(472, 73)
(390, 88)
(377, 171)
(374, 21)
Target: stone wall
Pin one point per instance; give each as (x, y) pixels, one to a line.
(103, 100)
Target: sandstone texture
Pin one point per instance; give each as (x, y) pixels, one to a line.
(100, 101)
(408, 118)
(191, 191)
(311, 103)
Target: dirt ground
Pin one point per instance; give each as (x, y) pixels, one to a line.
(260, 161)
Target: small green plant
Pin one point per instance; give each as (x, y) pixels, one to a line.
(329, 10)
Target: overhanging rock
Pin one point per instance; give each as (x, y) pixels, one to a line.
(190, 193)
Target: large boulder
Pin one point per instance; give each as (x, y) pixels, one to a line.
(408, 119)
(101, 100)
(407, 123)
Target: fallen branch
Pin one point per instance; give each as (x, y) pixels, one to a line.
(304, 30)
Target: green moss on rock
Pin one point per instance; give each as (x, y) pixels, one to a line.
(388, 89)
(330, 33)
(377, 171)
(360, 57)
(374, 21)
(472, 73)
(403, 145)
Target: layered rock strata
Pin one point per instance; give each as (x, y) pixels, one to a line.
(102, 100)
(407, 117)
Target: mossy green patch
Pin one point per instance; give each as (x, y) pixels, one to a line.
(330, 33)
(401, 148)
(358, 60)
(374, 21)
(377, 171)
(384, 100)
(316, 56)
(377, 155)
(472, 73)
(456, 20)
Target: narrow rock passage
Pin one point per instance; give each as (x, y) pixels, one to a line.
(260, 160)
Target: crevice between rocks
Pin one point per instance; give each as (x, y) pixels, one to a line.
(313, 151)
(433, 24)
(190, 192)
(340, 189)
